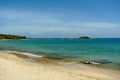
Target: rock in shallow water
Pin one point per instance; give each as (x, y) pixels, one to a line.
(90, 62)
(96, 62)
(104, 61)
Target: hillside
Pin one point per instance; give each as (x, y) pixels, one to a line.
(8, 36)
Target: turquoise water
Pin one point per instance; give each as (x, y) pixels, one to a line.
(70, 49)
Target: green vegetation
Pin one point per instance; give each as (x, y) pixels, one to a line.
(8, 36)
(84, 37)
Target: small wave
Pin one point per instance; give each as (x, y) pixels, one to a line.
(27, 54)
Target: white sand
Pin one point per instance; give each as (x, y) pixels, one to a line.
(15, 68)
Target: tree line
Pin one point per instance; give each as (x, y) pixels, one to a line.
(8, 36)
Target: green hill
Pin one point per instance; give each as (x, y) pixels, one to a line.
(8, 36)
(84, 37)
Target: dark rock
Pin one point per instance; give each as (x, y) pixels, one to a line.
(96, 62)
(90, 62)
(118, 64)
(103, 61)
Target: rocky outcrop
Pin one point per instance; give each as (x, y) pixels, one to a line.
(84, 37)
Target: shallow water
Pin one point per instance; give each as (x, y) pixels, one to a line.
(70, 49)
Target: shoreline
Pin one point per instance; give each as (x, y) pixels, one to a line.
(47, 69)
(30, 55)
(60, 59)
(12, 39)
(95, 54)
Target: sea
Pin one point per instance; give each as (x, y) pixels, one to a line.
(106, 50)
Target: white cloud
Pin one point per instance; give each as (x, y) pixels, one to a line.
(46, 23)
(95, 24)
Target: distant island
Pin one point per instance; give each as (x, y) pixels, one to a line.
(8, 36)
(84, 37)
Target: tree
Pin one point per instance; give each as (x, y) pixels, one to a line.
(8, 36)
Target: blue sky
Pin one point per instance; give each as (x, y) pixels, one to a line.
(60, 18)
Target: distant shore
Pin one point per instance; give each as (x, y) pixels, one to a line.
(9, 36)
(16, 66)
(14, 39)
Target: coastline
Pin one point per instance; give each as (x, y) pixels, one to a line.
(12, 39)
(28, 67)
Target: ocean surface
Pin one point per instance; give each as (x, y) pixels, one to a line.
(95, 49)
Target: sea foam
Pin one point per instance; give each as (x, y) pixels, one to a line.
(27, 54)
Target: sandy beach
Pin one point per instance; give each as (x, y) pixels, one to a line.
(20, 67)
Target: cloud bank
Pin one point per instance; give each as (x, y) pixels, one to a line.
(52, 24)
